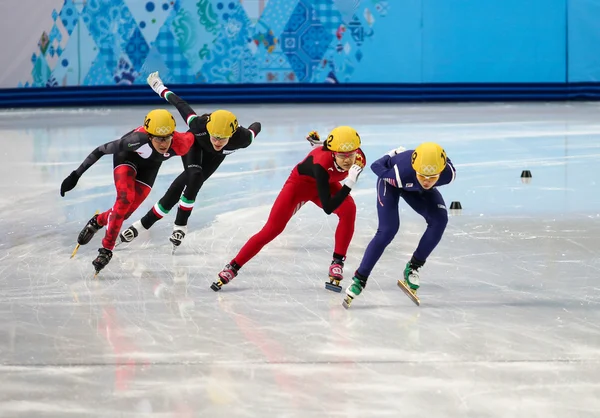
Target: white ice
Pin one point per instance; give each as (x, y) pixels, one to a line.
(509, 324)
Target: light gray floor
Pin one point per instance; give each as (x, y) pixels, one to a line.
(509, 322)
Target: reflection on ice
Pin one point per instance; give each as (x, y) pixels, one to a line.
(507, 325)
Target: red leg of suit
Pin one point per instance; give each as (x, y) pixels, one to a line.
(286, 204)
(346, 213)
(130, 194)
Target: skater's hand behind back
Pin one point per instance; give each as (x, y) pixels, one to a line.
(313, 138)
(69, 183)
(396, 151)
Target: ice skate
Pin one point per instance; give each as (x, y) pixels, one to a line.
(104, 257)
(177, 236)
(87, 233)
(225, 276)
(130, 233)
(410, 283)
(358, 284)
(336, 274)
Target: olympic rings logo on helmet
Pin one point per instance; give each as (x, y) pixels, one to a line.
(163, 130)
(428, 170)
(346, 147)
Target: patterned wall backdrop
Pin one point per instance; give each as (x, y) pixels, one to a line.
(104, 42)
(118, 42)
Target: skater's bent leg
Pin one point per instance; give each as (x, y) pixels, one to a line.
(124, 176)
(346, 214)
(281, 212)
(141, 193)
(166, 203)
(389, 223)
(431, 206)
(186, 202)
(345, 228)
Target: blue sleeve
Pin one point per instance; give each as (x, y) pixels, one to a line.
(386, 169)
(448, 174)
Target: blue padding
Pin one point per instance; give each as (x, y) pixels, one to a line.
(297, 93)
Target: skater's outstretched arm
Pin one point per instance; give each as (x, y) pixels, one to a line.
(243, 137)
(130, 141)
(184, 109)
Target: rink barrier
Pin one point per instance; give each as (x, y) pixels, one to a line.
(298, 93)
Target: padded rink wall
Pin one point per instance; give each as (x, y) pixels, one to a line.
(99, 52)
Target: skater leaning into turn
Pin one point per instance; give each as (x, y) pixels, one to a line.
(137, 157)
(317, 179)
(414, 176)
(217, 135)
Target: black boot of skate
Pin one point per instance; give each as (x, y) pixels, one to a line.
(104, 257)
(88, 231)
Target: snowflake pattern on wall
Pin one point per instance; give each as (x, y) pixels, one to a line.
(116, 42)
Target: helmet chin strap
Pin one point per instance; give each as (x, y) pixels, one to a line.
(337, 167)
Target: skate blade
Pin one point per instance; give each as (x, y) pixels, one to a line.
(408, 293)
(333, 285)
(75, 250)
(174, 249)
(215, 286)
(347, 302)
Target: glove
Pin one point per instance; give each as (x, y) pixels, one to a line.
(313, 138)
(156, 83)
(69, 183)
(353, 174)
(396, 151)
(255, 128)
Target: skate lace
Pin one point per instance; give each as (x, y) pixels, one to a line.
(104, 255)
(227, 274)
(413, 276)
(336, 270)
(177, 235)
(128, 235)
(93, 224)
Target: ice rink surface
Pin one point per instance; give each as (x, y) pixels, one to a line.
(509, 324)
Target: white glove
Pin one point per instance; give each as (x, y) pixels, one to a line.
(156, 83)
(353, 174)
(396, 151)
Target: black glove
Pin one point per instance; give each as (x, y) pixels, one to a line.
(313, 138)
(69, 183)
(255, 127)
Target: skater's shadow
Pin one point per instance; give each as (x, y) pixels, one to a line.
(232, 290)
(369, 307)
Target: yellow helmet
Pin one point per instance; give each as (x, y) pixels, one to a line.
(343, 139)
(159, 122)
(221, 124)
(429, 159)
